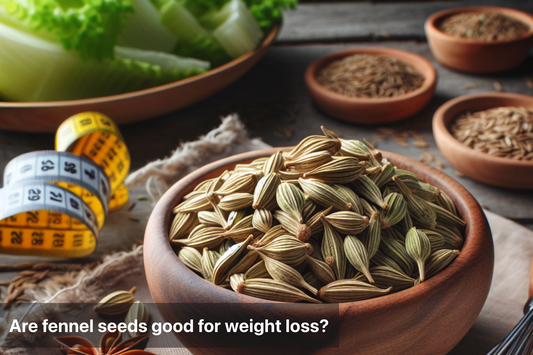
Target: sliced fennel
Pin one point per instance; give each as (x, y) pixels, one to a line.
(89, 27)
(34, 69)
(194, 40)
(14, 22)
(144, 29)
(167, 62)
(200, 7)
(180, 21)
(239, 33)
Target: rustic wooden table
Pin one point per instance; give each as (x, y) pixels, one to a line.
(274, 103)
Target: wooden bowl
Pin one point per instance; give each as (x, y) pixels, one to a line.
(531, 282)
(132, 106)
(502, 172)
(430, 318)
(474, 56)
(372, 110)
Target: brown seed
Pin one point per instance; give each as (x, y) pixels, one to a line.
(370, 76)
(182, 225)
(229, 260)
(242, 182)
(348, 222)
(324, 194)
(312, 144)
(258, 270)
(350, 291)
(236, 201)
(488, 26)
(286, 249)
(282, 272)
(383, 137)
(357, 255)
(241, 230)
(333, 250)
(341, 170)
(385, 276)
(265, 190)
(22, 266)
(270, 235)
(273, 290)
(203, 236)
(501, 132)
(321, 269)
(427, 157)
(420, 144)
(262, 220)
(191, 257)
(308, 162)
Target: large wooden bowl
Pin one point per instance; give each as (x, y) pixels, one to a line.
(430, 318)
(133, 106)
(497, 171)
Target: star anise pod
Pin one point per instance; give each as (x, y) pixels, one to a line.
(110, 344)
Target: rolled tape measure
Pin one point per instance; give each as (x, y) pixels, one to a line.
(54, 202)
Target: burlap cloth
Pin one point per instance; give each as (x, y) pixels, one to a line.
(502, 310)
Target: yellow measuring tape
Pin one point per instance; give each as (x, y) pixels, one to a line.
(54, 202)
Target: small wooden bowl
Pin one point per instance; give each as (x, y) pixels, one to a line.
(132, 106)
(491, 170)
(372, 110)
(430, 318)
(474, 56)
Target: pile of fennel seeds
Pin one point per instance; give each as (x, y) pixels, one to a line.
(330, 221)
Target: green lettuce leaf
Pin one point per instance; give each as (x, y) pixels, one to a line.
(89, 27)
(267, 13)
(34, 69)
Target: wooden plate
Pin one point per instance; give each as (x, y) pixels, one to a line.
(133, 106)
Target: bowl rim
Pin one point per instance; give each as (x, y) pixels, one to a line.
(153, 90)
(432, 28)
(478, 238)
(415, 60)
(440, 126)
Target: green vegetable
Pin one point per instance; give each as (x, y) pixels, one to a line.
(69, 49)
(89, 27)
(269, 12)
(34, 69)
(238, 32)
(200, 7)
(144, 29)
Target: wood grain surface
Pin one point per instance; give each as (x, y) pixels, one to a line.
(274, 103)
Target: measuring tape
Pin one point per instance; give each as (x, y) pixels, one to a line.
(54, 202)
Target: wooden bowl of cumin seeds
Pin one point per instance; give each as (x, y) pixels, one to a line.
(480, 39)
(371, 85)
(488, 137)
